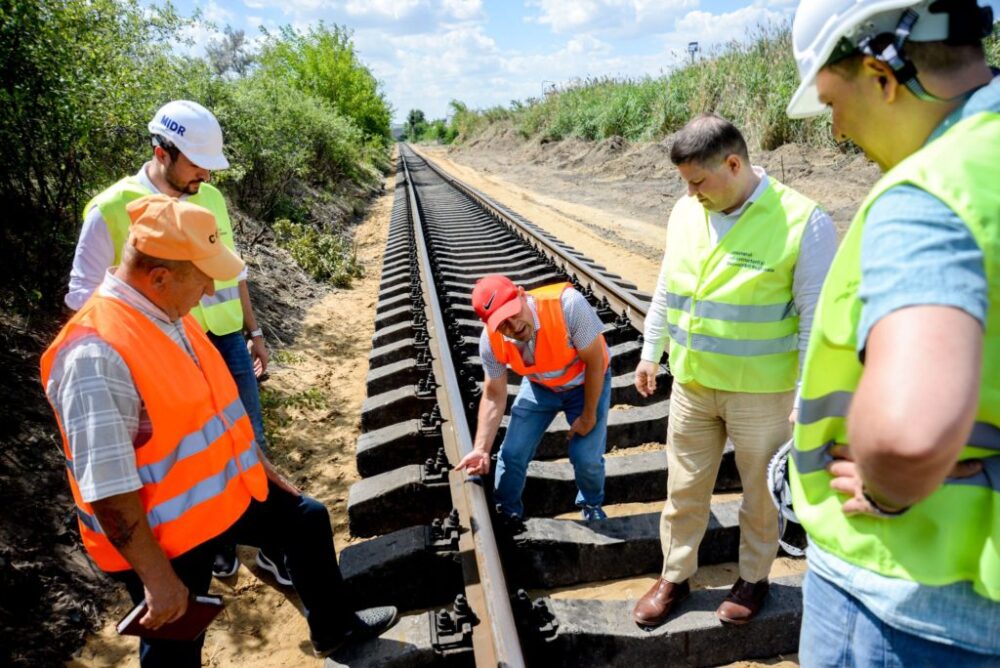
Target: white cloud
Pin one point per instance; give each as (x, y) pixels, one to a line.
(463, 10)
(393, 10)
(617, 17)
(714, 29)
(212, 12)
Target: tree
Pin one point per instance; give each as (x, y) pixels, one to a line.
(324, 63)
(78, 83)
(231, 53)
(416, 124)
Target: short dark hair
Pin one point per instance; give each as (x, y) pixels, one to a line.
(707, 139)
(166, 145)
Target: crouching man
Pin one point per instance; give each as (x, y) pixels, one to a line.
(552, 338)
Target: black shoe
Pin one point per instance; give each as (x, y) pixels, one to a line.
(226, 564)
(275, 568)
(368, 623)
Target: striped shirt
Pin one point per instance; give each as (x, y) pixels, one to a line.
(582, 323)
(93, 393)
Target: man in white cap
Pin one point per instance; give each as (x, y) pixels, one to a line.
(187, 147)
(160, 454)
(895, 472)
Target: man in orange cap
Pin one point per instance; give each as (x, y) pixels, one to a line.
(187, 147)
(160, 453)
(552, 338)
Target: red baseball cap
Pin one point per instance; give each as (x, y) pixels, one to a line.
(495, 299)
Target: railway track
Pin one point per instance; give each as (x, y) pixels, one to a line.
(434, 547)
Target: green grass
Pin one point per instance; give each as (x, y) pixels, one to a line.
(275, 407)
(325, 256)
(750, 83)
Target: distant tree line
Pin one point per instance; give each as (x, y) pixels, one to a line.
(418, 129)
(80, 80)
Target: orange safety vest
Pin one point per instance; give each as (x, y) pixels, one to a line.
(556, 359)
(200, 468)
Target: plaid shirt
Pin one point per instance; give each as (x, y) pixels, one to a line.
(102, 414)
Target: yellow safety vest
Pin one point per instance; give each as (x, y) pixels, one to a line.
(730, 309)
(221, 313)
(953, 534)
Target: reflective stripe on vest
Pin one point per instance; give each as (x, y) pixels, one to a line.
(557, 364)
(174, 508)
(951, 535)
(200, 466)
(221, 296)
(220, 314)
(731, 315)
(733, 312)
(735, 347)
(193, 443)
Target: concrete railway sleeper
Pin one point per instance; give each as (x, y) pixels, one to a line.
(433, 545)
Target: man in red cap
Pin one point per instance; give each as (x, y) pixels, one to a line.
(552, 338)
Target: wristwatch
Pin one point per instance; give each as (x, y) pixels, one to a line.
(257, 332)
(879, 510)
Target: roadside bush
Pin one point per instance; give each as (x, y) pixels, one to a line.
(326, 257)
(78, 83)
(992, 45)
(277, 134)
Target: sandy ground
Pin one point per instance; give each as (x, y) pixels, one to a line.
(314, 394)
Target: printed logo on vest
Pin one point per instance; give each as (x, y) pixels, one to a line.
(746, 260)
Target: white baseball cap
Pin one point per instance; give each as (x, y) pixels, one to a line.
(194, 130)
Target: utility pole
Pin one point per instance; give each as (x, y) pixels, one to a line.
(693, 48)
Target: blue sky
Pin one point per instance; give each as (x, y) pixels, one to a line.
(489, 52)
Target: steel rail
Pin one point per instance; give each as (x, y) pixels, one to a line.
(621, 300)
(495, 639)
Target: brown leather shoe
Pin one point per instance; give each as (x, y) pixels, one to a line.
(653, 608)
(744, 601)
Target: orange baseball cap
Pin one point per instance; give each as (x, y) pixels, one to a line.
(172, 229)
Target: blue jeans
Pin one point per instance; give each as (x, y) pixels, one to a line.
(839, 632)
(531, 414)
(233, 348)
(299, 527)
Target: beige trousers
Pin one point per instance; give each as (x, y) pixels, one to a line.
(700, 420)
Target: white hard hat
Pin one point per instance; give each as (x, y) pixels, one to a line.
(819, 26)
(194, 130)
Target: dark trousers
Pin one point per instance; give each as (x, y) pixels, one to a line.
(298, 527)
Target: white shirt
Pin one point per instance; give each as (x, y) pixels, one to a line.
(95, 252)
(818, 246)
